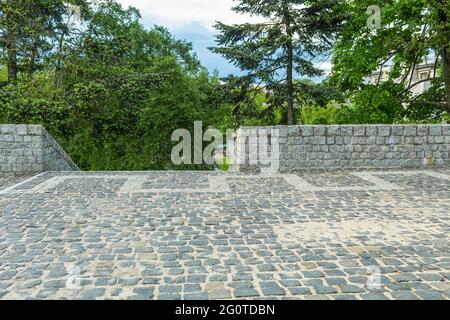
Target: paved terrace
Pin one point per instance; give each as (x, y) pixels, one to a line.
(166, 235)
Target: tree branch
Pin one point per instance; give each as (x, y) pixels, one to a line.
(412, 71)
(421, 81)
(435, 65)
(381, 73)
(434, 103)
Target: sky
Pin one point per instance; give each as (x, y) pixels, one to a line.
(178, 13)
(193, 20)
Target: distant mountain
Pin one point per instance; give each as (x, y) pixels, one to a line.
(193, 31)
(201, 39)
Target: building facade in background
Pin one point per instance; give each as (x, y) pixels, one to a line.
(419, 79)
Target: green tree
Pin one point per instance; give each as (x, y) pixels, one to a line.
(411, 31)
(111, 91)
(28, 30)
(295, 33)
(372, 105)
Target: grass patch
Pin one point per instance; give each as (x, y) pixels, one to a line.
(224, 164)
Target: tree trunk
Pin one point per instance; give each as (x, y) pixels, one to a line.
(12, 60)
(446, 61)
(445, 54)
(59, 58)
(11, 48)
(290, 85)
(33, 56)
(289, 67)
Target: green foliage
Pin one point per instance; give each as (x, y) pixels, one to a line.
(312, 115)
(3, 75)
(245, 104)
(411, 31)
(224, 164)
(33, 101)
(114, 93)
(372, 105)
(317, 94)
(293, 35)
(422, 109)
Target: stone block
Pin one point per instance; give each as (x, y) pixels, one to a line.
(8, 138)
(319, 140)
(410, 131)
(294, 131)
(347, 131)
(362, 140)
(359, 131)
(320, 130)
(384, 131)
(422, 130)
(371, 131)
(35, 130)
(397, 130)
(446, 130)
(307, 131)
(435, 130)
(22, 129)
(333, 130)
(7, 129)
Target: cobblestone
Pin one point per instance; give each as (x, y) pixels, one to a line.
(210, 235)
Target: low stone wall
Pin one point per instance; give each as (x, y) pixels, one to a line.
(28, 149)
(339, 147)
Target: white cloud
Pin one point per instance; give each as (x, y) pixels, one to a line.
(176, 13)
(325, 66)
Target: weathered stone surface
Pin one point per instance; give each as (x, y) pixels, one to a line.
(28, 149)
(372, 234)
(339, 147)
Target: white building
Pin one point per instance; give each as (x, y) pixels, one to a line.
(420, 73)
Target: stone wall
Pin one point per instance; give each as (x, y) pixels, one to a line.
(28, 149)
(349, 146)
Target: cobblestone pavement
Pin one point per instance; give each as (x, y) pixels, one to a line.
(9, 181)
(186, 235)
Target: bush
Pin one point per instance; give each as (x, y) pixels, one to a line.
(34, 101)
(318, 115)
(373, 105)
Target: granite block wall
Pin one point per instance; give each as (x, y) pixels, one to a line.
(28, 149)
(340, 147)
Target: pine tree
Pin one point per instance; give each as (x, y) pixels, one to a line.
(28, 30)
(294, 35)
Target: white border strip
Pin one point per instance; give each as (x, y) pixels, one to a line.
(379, 184)
(217, 182)
(300, 184)
(438, 175)
(7, 190)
